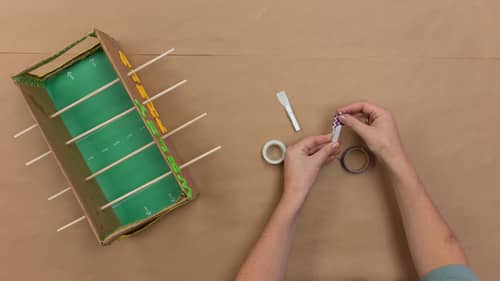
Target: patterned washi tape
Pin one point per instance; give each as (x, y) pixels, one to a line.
(336, 127)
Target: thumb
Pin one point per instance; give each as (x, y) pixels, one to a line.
(326, 151)
(357, 126)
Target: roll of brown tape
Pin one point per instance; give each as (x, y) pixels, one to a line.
(368, 157)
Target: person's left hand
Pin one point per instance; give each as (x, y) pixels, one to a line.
(303, 161)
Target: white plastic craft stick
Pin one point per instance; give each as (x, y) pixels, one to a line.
(336, 133)
(283, 99)
(59, 193)
(25, 131)
(137, 151)
(71, 223)
(109, 84)
(38, 158)
(194, 160)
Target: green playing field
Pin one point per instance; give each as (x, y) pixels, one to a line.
(113, 141)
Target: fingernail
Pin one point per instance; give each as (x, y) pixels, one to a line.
(335, 144)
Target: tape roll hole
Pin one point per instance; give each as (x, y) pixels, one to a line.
(356, 160)
(274, 152)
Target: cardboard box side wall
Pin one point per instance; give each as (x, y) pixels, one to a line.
(70, 161)
(111, 48)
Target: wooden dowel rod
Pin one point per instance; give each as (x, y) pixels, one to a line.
(146, 64)
(155, 180)
(71, 223)
(107, 205)
(25, 130)
(199, 157)
(100, 125)
(59, 193)
(109, 84)
(84, 98)
(123, 113)
(184, 125)
(164, 92)
(137, 151)
(38, 158)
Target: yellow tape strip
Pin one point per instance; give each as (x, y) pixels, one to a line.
(162, 128)
(152, 110)
(142, 91)
(135, 78)
(124, 59)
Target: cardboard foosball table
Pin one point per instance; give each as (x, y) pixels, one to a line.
(107, 137)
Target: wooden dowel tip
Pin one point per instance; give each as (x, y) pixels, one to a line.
(37, 158)
(25, 130)
(59, 193)
(71, 223)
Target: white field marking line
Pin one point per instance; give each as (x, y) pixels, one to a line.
(124, 113)
(38, 158)
(71, 223)
(137, 151)
(194, 160)
(25, 131)
(109, 84)
(59, 193)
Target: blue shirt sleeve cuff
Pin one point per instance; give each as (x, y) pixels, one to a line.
(453, 272)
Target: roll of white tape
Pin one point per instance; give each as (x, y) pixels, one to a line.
(268, 145)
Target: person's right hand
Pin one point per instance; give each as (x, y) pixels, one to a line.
(378, 129)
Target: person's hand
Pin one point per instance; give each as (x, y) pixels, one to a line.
(302, 163)
(376, 126)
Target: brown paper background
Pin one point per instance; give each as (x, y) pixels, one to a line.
(435, 64)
